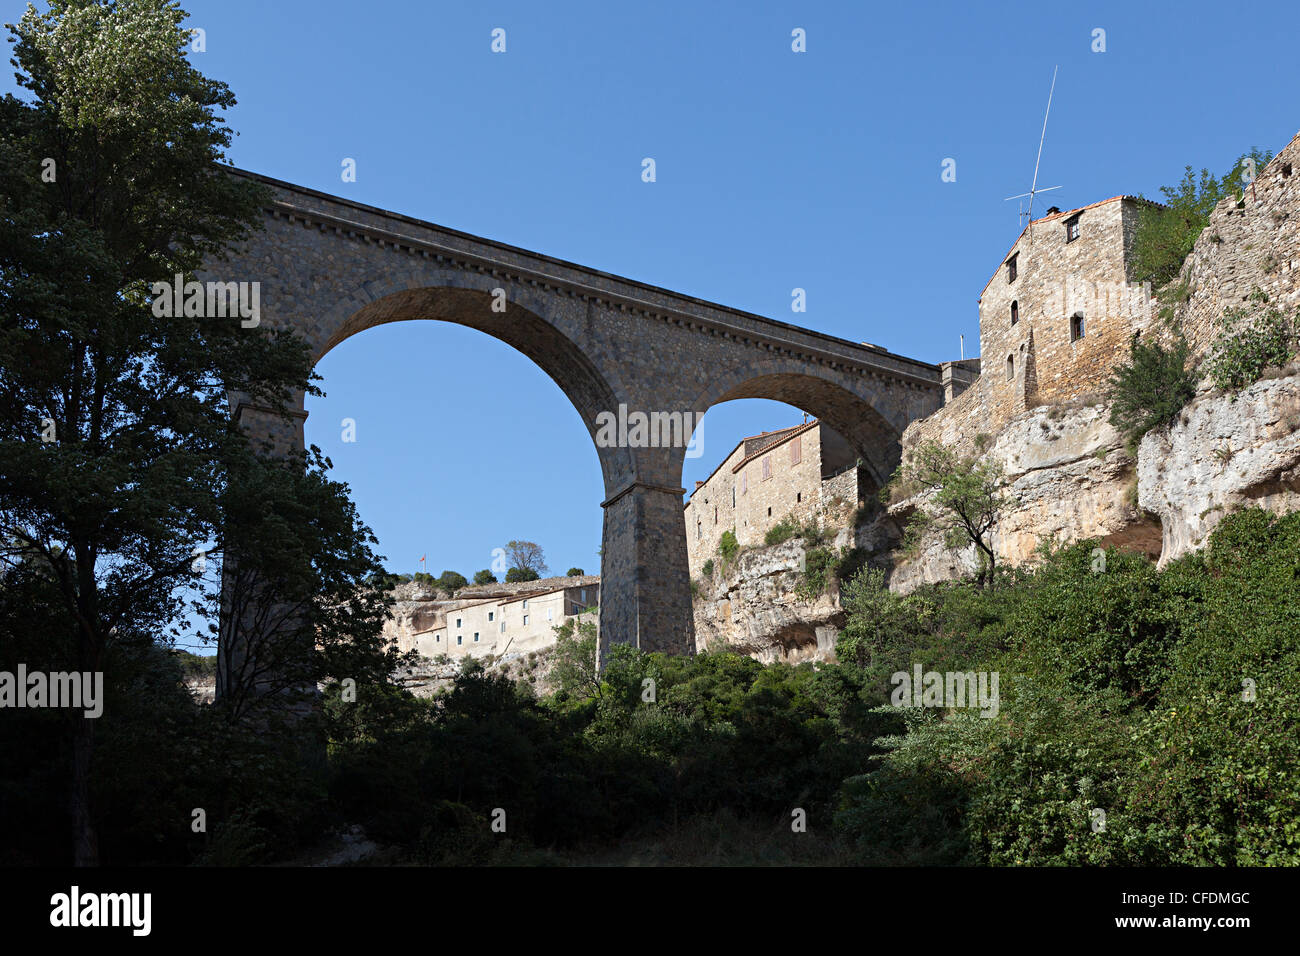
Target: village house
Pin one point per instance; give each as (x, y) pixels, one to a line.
(801, 472)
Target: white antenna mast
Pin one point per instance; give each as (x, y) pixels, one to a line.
(1033, 189)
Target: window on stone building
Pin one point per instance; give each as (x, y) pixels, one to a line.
(796, 450)
(525, 606)
(1072, 229)
(476, 635)
(460, 639)
(715, 515)
(1015, 312)
(503, 627)
(458, 622)
(490, 615)
(1011, 268)
(769, 512)
(767, 466)
(1076, 327)
(1011, 367)
(733, 496)
(550, 613)
(525, 620)
(798, 497)
(699, 530)
(582, 596)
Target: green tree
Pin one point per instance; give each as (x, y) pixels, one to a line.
(484, 577)
(1150, 389)
(110, 183)
(452, 581)
(574, 668)
(1166, 233)
(521, 574)
(965, 499)
(527, 556)
(575, 572)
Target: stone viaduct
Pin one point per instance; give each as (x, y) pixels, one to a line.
(330, 268)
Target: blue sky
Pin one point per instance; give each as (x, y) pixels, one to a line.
(775, 170)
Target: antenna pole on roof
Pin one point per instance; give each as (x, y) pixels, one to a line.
(1042, 136)
(1033, 188)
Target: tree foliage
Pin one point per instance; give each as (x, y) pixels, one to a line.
(526, 556)
(965, 498)
(1166, 233)
(1150, 388)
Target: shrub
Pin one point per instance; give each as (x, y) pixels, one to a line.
(1150, 389)
(575, 572)
(781, 532)
(452, 581)
(484, 577)
(728, 546)
(708, 568)
(521, 574)
(1239, 358)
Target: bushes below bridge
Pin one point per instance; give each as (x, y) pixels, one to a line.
(1145, 718)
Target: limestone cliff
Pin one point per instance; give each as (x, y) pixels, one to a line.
(1223, 454)
(1068, 477)
(754, 607)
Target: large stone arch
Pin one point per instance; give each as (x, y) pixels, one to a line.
(865, 422)
(329, 268)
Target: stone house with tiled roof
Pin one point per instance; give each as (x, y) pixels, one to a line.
(1055, 318)
(804, 472)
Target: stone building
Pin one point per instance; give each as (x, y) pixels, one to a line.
(801, 472)
(495, 619)
(1055, 318)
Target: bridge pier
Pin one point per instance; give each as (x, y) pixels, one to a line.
(645, 588)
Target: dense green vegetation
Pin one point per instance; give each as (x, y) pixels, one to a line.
(1150, 388)
(1166, 233)
(1167, 700)
(1248, 344)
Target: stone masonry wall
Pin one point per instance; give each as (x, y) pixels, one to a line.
(1254, 246)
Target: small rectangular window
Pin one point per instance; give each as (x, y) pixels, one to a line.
(1076, 327)
(525, 620)
(767, 466)
(583, 592)
(490, 615)
(458, 622)
(503, 627)
(476, 635)
(1011, 268)
(550, 613)
(1072, 229)
(525, 606)
(460, 639)
(796, 450)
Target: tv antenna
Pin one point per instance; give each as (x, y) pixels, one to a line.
(1033, 188)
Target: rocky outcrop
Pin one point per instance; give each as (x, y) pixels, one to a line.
(1223, 454)
(1068, 479)
(754, 607)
